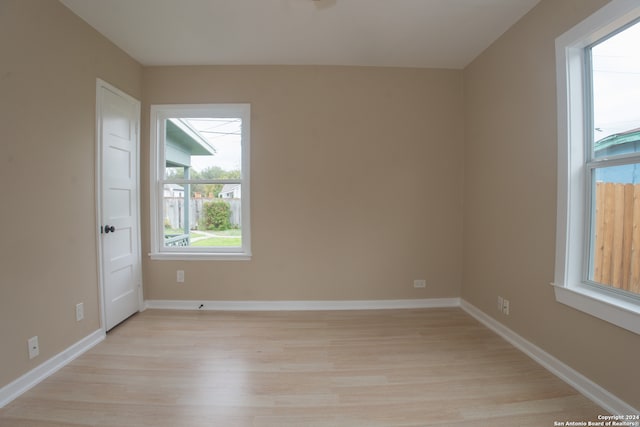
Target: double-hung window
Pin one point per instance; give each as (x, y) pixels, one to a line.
(200, 181)
(598, 233)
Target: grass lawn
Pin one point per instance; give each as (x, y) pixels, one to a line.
(231, 237)
(219, 241)
(231, 232)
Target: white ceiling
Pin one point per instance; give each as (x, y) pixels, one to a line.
(395, 33)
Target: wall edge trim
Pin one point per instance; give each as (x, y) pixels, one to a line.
(594, 392)
(22, 384)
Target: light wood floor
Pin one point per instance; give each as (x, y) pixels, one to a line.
(348, 368)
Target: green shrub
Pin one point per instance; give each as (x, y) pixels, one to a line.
(216, 215)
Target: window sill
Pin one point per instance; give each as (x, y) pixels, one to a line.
(203, 256)
(620, 311)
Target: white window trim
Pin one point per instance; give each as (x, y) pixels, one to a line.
(569, 286)
(158, 114)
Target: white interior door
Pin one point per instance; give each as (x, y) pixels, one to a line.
(118, 118)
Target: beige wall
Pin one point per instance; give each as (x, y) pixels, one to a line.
(356, 183)
(510, 200)
(49, 62)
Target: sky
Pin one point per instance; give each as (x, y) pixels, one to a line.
(616, 83)
(224, 135)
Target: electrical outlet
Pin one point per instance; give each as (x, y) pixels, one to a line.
(505, 306)
(419, 283)
(500, 302)
(34, 347)
(79, 311)
(180, 276)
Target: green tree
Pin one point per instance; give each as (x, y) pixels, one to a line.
(211, 172)
(214, 172)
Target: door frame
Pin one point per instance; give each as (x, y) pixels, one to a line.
(100, 85)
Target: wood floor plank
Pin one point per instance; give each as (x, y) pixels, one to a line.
(428, 367)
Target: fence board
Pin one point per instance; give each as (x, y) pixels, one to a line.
(618, 236)
(598, 254)
(607, 232)
(634, 286)
(627, 234)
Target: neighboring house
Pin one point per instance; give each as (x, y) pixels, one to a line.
(173, 190)
(615, 145)
(230, 191)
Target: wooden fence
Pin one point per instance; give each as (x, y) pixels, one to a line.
(174, 211)
(616, 257)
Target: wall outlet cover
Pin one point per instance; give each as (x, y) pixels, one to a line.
(79, 311)
(34, 347)
(420, 283)
(505, 306)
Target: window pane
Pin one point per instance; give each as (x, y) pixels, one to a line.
(615, 258)
(202, 220)
(616, 94)
(203, 148)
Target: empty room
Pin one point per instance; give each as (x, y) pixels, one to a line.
(320, 213)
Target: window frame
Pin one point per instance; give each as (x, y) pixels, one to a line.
(575, 167)
(159, 113)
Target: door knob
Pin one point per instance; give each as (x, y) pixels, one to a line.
(109, 229)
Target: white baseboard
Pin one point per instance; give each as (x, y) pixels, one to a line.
(39, 373)
(584, 385)
(302, 305)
